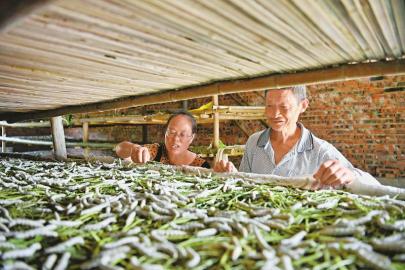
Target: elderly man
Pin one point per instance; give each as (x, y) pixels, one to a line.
(287, 148)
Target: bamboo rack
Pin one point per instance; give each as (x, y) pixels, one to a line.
(103, 55)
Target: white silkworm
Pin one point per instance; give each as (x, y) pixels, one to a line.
(207, 232)
(65, 223)
(61, 247)
(237, 250)
(121, 242)
(133, 231)
(44, 231)
(287, 262)
(262, 242)
(4, 228)
(7, 245)
(22, 253)
(294, 240)
(26, 222)
(328, 204)
(195, 258)
(10, 202)
(94, 209)
(130, 218)
(63, 262)
(50, 262)
(100, 225)
(17, 265)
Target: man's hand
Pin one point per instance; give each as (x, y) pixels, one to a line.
(332, 174)
(140, 154)
(224, 166)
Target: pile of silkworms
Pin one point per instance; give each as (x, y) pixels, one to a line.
(77, 215)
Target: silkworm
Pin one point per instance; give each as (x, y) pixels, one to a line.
(100, 225)
(373, 259)
(237, 249)
(328, 204)
(342, 231)
(168, 248)
(17, 265)
(222, 227)
(195, 258)
(22, 253)
(50, 262)
(4, 228)
(294, 240)
(63, 262)
(134, 261)
(207, 232)
(262, 242)
(148, 251)
(134, 231)
(287, 262)
(11, 202)
(7, 245)
(26, 222)
(130, 218)
(170, 234)
(189, 226)
(44, 231)
(239, 228)
(61, 247)
(66, 223)
(391, 246)
(5, 213)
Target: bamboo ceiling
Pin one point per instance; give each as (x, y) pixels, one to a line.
(74, 53)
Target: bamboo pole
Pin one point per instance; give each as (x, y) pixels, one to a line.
(58, 138)
(216, 123)
(3, 143)
(344, 72)
(50, 143)
(85, 129)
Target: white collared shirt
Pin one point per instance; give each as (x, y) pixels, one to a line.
(304, 158)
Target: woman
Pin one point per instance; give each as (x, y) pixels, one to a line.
(181, 128)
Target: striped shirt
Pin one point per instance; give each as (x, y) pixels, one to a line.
(304, 158)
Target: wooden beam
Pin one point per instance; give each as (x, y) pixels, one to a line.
(58, 137)
(3, 143)
(324, 75)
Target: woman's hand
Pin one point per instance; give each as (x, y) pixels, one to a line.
(224, 166)
(140, 154)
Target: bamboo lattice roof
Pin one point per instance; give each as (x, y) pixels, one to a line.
(74, 52)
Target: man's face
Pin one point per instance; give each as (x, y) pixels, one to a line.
(178, 135)
(283, 109)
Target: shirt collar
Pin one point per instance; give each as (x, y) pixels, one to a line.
(305, 143)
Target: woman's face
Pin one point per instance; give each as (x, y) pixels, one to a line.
(178, 135)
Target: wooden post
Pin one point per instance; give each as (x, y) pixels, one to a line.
(216, 123)
(58, 137)
(185, 105)
(3, 143)
(86, 136)
(144, 134)
(85, 132)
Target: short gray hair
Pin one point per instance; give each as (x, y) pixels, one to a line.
(299, 91)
